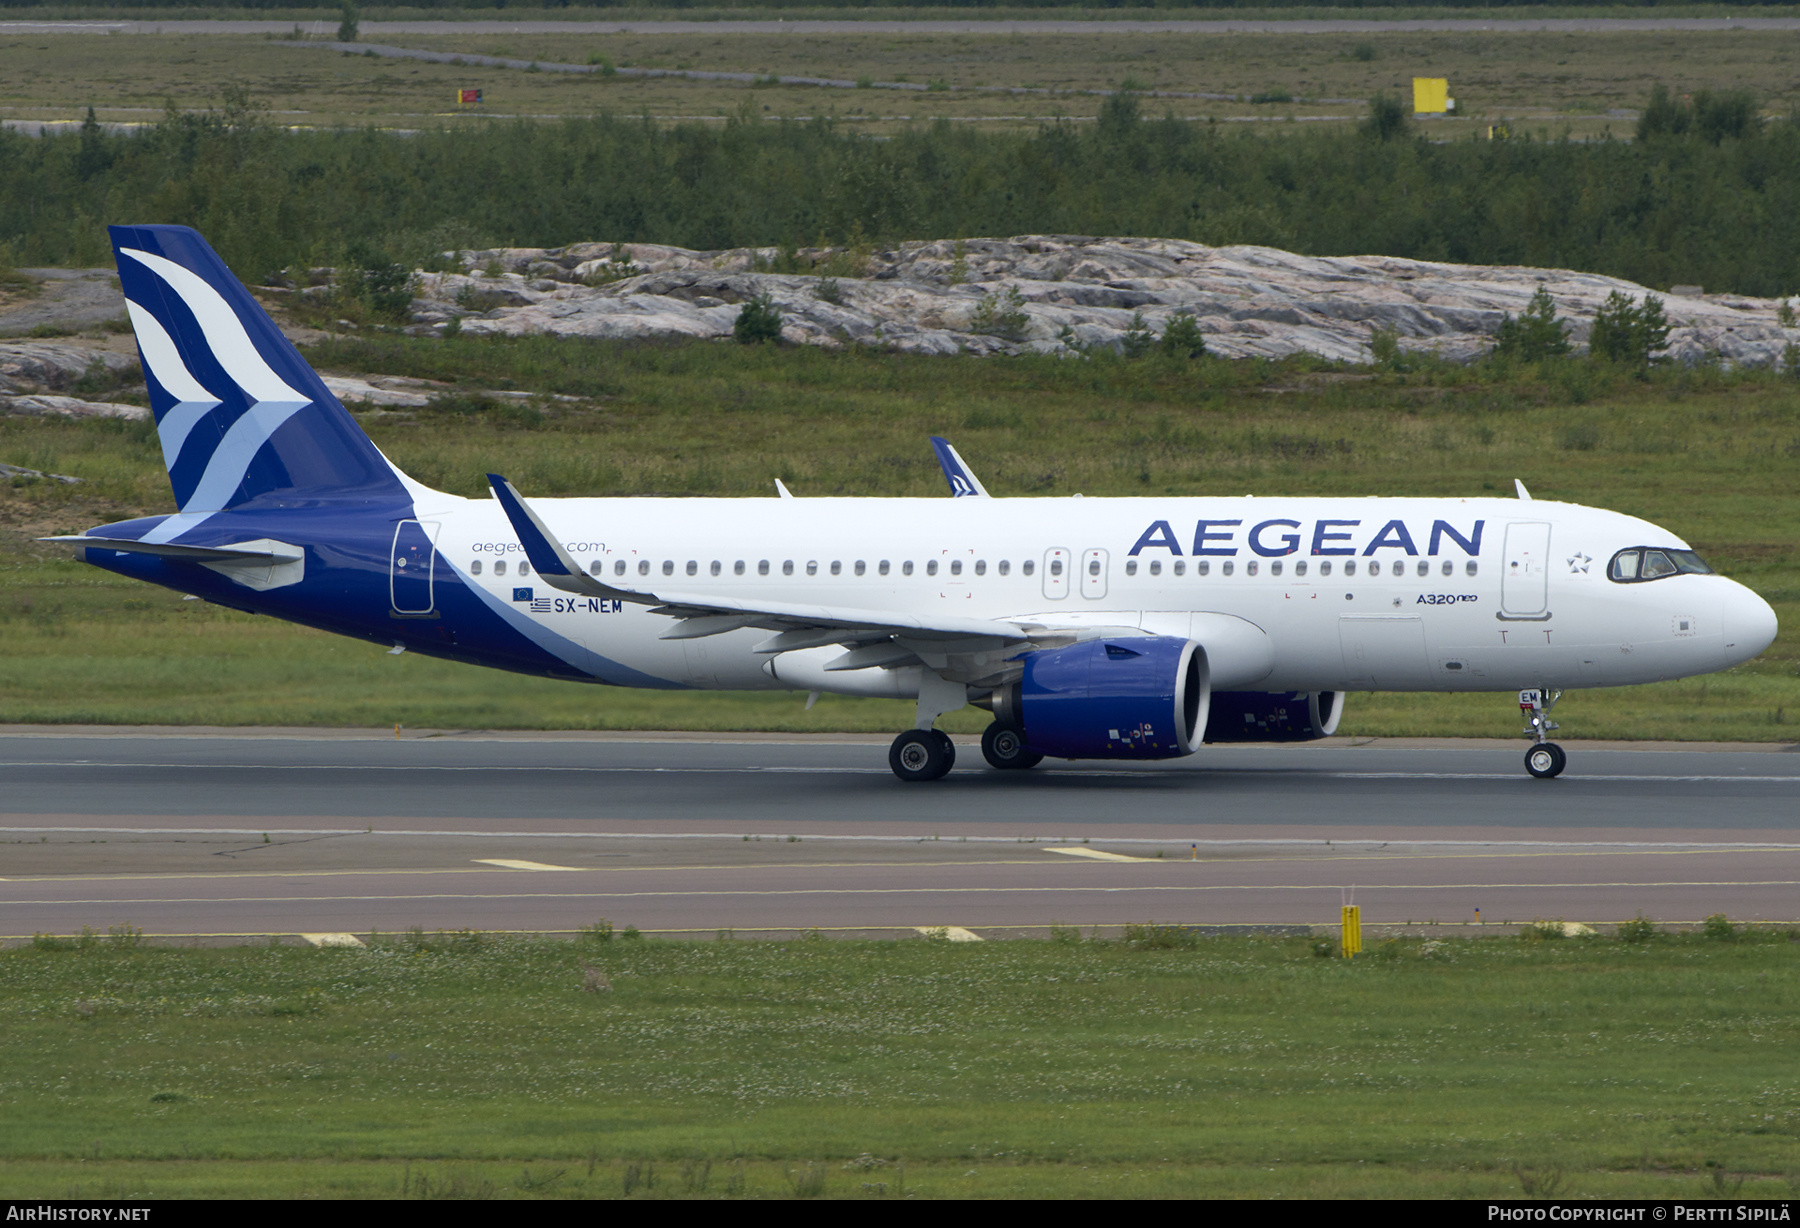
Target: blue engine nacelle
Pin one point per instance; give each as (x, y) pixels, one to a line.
(1131, 698)
(1282, 716)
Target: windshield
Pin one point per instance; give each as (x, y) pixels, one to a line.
(1641, 563)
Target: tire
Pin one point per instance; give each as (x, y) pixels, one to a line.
(1004, 748)
(1546, 761)
(921, 754)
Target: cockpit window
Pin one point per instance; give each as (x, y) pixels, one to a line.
(1642, 563)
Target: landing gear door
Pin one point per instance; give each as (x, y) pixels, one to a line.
(411, 565)
(1525, 580)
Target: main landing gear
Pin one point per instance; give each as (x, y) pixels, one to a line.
(922, 754)
(1546, 759)
(1004, 748)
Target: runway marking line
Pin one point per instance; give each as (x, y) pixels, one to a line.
(755, 770)
(884, 891)
(1093, 854)
(1089, 854)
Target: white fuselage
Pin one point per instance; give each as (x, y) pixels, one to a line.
(1465, 595)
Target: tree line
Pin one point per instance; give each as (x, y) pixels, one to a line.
(1706, 202)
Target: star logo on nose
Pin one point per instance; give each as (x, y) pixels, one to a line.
(1579, 563)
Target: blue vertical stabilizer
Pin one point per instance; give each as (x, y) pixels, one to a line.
(241, 417)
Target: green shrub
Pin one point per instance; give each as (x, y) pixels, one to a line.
(827, 291)
(1536, 334)
(347, 24)
(1639, 929)
(599, 931)
(1629, 333)
(1388, 118)
(1138, 340)
(1001, 314)
(1152, 937)
(759, 321)
(1182, 337)
(1719, 926)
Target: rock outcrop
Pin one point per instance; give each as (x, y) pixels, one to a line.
(1059, 294)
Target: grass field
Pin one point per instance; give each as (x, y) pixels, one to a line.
(470, 1065)
(1548, 82)
(1708, 455)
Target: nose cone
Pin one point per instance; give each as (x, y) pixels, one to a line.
(1749, 624)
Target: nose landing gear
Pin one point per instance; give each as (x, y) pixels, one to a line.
(1546, 759)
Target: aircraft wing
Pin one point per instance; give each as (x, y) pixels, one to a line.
(907, 637)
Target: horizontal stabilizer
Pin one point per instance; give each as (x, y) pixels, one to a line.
(196, 554)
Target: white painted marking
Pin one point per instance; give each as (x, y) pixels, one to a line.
(333, 940)
(508, 863)
(951, 933)
(1094, 854)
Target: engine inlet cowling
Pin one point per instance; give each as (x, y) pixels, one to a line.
(1280, 716)
(1133, 698)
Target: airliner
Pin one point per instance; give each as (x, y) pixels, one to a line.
(1090, 628)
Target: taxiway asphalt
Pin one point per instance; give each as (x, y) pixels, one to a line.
(227, 834)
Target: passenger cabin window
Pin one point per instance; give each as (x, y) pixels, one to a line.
(643, 567)
(787, 567)
(500, 567)
(1324, 567)
(1275, 568)
(906, 568)
(1155, 567)
(837, 568)
(597, 568)
(1300, 568)
(1249, 568)
(1226, 568)
(619, 568)
(1093, 567)
(668, 567)
(1349, 567)
(861, 567)
(693, 568)
(1028, 566)
(1469, 567)
(1399, 567)
(1203, 567)
(1130, 567)
(1003, 567)
(1647, 563)
(475, 568)
(1449, 568)
(717, 567)
(931, 567)
(737, 568)
(812, 567)
(981, 567)
(1056, 567)
(1424, 567)
(882, 567)
(956, 567)
(762, 567)
(524, 568)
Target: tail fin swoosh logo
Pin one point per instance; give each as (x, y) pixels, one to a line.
(272, 401)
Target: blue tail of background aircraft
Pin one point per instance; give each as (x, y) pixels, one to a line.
(242, 419)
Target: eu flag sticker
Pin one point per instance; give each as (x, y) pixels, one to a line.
(521, 594)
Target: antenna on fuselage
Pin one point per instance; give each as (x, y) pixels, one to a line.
(1520, 487)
